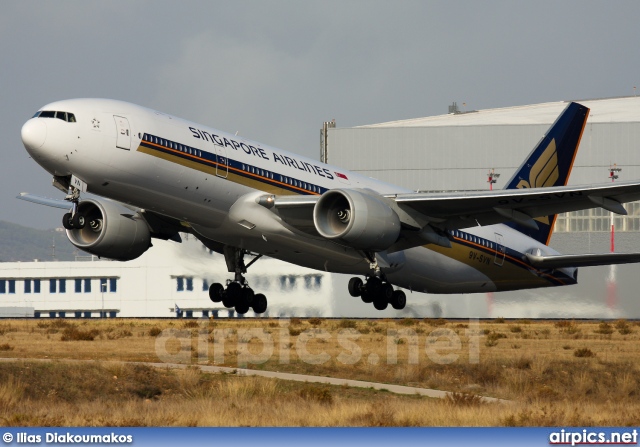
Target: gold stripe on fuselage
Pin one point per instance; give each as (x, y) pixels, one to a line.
(511, 273)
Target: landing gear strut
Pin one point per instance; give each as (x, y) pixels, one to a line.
(73, 220)
(377, 290)
(237, 293)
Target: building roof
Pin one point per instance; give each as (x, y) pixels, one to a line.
(624, 109)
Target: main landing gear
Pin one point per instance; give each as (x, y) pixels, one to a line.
(377, 289)
(237, 294)
(378, 292)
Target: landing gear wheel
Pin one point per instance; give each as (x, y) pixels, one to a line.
(66, 222)
(78, 221)
(374, 285)
(227, 301)
(386, 292)
(380, 303)
(259, 305)
(398, 300)
(355, 286)
(367, 297)
(246, 295)
(232, 295)
(216, 292)
(242, 308)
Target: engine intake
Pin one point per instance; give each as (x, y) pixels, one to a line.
(360, 219)
(111, 231)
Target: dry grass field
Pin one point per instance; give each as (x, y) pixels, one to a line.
(555, 373)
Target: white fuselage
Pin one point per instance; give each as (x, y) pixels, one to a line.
(210, 180)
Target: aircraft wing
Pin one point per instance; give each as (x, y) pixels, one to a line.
(588, 260)
(462, 210)
(425, 215)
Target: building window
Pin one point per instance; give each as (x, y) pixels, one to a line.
(12, 286)
(103, 284)
(27, 286)
(36, 286)
(52, 285)
(184, 283)
(3, 286)
(205, 285)
(113, 285)
(87, 285)
(78, 288)
(62, 286)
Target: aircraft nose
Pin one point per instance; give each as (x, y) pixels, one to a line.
(34, 133)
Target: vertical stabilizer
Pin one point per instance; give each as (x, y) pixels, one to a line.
(550, 163)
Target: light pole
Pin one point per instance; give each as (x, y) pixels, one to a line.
(103, 288)
(614, 172)
(492, 177)
(612, 293)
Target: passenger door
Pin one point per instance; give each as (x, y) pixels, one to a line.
(123, 140)
(222, 167)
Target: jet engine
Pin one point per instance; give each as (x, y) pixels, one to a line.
(111, 231)
(360, 219)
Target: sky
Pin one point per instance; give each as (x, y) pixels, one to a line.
(275, 70)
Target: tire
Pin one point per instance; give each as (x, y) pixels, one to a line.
(228, 301)
(373, 286)
(259, 305)
(246, 296)
(78, 221)
(242, 308)
(216, 292)
(231, 295)
(380, 304)
(386, 292)
(233, 290)
(66, 222)
(355, 286)
(399, 300)
(366, 296)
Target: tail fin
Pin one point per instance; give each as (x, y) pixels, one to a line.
(550, 163)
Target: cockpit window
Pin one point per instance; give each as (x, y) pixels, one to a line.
(64, 116)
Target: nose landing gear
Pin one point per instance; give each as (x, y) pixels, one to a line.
(237, 294)
(73, 220)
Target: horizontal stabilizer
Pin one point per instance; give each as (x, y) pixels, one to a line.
(587, 260)
(55, 203)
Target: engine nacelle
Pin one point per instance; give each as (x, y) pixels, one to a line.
(111, 231)
(361, 220)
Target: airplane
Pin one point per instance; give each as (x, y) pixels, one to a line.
(153, 175)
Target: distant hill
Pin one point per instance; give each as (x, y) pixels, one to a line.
(18, 243)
